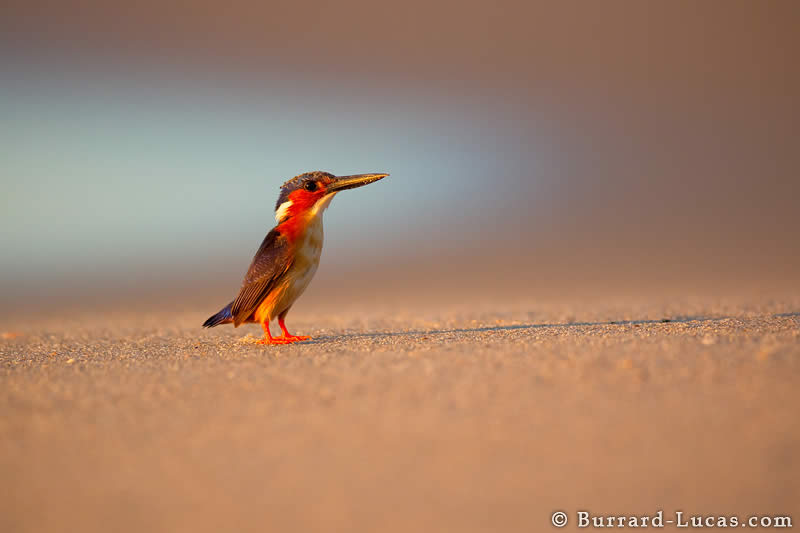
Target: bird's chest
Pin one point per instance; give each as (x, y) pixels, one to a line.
(306, 254)
(308, 251)
(309, 247)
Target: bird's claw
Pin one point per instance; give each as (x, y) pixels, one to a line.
(285, 340)
(296, 338)
(274, 341)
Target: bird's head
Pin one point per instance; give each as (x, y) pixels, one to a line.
(308, 194)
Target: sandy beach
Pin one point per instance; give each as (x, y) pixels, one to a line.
(479, 418)
(577, 290)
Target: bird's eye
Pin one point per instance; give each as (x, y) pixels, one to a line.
(310, 186)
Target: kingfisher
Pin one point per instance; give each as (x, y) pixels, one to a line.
(289, 255)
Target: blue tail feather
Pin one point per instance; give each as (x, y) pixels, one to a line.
(223, 317)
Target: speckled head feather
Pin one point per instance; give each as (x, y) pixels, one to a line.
(298, 182)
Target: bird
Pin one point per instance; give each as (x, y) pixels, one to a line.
(289, 255)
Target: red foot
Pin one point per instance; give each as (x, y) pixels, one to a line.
(278, 340)
(286, 338)
(294, 338)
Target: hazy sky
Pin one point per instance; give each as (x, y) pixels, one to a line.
(152, 137)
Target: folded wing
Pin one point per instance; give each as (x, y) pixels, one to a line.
(270, 263)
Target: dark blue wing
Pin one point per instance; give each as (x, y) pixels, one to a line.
(270, 263)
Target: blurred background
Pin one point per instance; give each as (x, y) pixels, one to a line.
(534, 147)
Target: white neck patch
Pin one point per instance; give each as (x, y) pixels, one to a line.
(322, 204)
(283, 211)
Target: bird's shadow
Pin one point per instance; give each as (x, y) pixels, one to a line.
(517, 327)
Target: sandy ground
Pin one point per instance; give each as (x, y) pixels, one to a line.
(486, 418)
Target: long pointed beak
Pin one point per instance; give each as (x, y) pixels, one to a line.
(351, 182)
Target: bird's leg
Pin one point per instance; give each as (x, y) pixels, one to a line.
(268, 339)
(288, 336)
